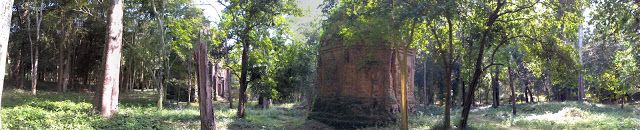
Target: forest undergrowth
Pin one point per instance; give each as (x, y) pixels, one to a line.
(52, 110)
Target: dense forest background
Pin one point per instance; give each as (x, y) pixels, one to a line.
(469, 53)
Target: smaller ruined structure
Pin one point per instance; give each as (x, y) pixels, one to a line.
(359, 84)
(221, 79)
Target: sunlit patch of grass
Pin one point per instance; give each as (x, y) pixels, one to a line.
(551, 115)
(563, 115)
(45, 111)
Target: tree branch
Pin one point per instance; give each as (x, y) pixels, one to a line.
(487, 67)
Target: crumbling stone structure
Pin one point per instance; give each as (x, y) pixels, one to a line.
(359, 84)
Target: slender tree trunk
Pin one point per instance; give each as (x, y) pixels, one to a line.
(107, 96)
(60, 69)
(159, 88)
(160, 78)
(513, 91)
(547, 80)
(456, 82)
(62, 55)
(581, 95)
(424, 81)
(464, 94)
(531, 98)
(622, 102)
(496, 87)
(19, 74)
(214, 80)
(66, 71)
(205, 93)
(229, 97)
(448, 65)
(243, 79)
(5, 26)
(477, 70)
(261, 102)
(31, 44)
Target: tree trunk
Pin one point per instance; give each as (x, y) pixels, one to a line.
(107, 96)
(622, 102)
(228, 88)
(159, 88)
(581, 95)
(464, 94)
(531, 98)
(513, 91)
(34, 48)
(60, 69)
(496, 87)
(5, 24)
(456, 81)
(260, 102)
(62, 55)
(19, 73)
(65, 72)
(243, 79)
(160, 78)
(266, 103)
(214, 81)
(477, 70)
(547, 80)
(205, 93)
(426, 99)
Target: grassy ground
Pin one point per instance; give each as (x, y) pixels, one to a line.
(50, 110)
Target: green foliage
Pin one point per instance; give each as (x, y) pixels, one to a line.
(261, 25)
(370, 22)
(46, 111)
(615, 26)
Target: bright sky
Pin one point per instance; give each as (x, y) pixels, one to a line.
(212, 11)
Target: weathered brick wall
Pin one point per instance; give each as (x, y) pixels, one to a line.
(359, 85)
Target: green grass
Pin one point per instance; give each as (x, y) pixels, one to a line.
(51, 110)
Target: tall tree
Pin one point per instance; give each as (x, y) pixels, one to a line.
(248, 23)
(106, 99)
(5, 15)
(160, 79)
(486, 36)
(34, 45)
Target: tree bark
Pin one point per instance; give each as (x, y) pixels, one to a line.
(107, 96)
(426, 99)
(228, 89)
(581, 95)
(496, 87)
(205, 93)
(243, 78)
(513, 91)
(464, 94)
(66, 71)
(5, 26)
(214, 80)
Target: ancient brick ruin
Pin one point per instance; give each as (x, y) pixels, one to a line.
(359, 85)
